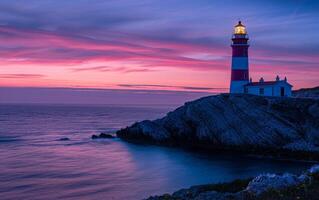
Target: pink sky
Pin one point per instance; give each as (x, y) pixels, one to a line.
(151, 47)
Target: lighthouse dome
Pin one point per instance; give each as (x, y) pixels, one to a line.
(240, 29)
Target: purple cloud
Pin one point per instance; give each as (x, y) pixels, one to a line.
(17, 76)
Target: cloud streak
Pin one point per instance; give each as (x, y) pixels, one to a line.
(111, 69)
(21, 76)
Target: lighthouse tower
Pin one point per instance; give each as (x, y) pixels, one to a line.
(239, 69)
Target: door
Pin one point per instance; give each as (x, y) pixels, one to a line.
(282, 91)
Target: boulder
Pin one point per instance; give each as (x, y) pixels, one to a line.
(265, 182)
(103, 136)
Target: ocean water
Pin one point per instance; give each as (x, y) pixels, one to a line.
(35, 164)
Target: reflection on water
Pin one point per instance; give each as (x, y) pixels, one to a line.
(34, 164)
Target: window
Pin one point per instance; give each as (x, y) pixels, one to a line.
(261, 91)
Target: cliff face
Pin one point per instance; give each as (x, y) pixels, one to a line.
(307, 93)
(227, 121)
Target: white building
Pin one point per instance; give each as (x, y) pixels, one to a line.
(240, 82)
(277, 88)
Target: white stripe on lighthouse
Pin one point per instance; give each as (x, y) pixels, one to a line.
(237, 86)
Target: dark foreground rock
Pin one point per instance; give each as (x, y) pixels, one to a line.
(285, 127)
(263, 187)
(103, 136)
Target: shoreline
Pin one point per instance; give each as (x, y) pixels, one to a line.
(277, 154)
(263, 187)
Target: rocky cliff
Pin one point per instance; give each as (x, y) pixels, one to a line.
(307, 93)
(235, 122)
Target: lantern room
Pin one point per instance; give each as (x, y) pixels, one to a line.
(240, 29)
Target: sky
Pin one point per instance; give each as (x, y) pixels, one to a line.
(152, 45)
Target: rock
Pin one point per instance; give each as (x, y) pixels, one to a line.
(94, 137)
(314, 169)
(163, 197)
(190, 193)
(302, 146)
(307, 93)
(265, 182)
(212, 195)
(236, 122)
(64, 139)
(103, 136)
(150, 132)
(265, 186)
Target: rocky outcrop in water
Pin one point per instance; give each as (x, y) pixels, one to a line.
(236, 123)
(103, 136)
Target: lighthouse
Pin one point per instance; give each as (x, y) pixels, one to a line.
(240, 81)
(240, 66)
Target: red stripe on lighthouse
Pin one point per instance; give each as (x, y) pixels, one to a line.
(239, 75)
(240, 51)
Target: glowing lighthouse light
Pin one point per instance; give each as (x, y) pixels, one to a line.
(240, 29)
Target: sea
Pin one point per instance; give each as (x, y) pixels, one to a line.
(36, 164)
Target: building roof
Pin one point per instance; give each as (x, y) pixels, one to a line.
(239, 24)
(266, 83)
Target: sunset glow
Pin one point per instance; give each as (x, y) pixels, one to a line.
(153, 45)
